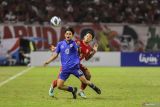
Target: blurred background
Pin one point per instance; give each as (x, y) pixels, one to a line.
(128, 27)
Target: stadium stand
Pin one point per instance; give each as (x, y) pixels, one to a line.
(107, 11)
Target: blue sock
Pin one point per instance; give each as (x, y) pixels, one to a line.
(70, 89)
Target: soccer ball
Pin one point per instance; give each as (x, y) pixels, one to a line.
(55, 21)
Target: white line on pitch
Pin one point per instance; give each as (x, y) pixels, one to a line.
(15, 76)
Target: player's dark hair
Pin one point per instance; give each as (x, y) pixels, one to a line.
(69, 29)
(85, 31)
(90, 33)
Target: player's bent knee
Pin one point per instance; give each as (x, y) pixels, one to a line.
(60, 84)
(59, 87)
(88, 77)
(83, 80)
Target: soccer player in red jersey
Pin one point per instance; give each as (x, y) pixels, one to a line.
(86, 52)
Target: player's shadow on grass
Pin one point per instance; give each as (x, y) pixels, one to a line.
(107, 98)
(96, 98)
(89, 98)
(92, 98)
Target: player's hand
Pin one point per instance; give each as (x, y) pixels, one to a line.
(45, 64)
(78, 43)
(52, 48)
(95, 47)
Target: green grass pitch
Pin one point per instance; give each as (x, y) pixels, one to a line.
(121, 87)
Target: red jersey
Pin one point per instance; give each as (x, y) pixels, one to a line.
(85, 49)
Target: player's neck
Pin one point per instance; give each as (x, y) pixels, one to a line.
(68, 40)
(86, 43)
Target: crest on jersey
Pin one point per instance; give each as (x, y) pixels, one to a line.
(67, 51)
(71, 45)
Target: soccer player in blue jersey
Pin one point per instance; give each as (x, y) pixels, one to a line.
(68, 50)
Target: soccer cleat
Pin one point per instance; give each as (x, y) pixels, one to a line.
(98, 91)
(74, 92)
(51, 92)
(81, 94)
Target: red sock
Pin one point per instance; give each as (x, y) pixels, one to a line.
(83, 86)
(54, 83)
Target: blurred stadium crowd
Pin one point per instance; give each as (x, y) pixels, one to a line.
(107, 11)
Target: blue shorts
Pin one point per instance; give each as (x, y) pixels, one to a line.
(64, 74)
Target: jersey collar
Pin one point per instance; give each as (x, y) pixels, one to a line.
(70, 41)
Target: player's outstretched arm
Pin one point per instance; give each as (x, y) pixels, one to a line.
(52, 48)
(95, 48)
(52, 58)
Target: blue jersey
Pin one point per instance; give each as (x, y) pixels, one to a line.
(69, 54)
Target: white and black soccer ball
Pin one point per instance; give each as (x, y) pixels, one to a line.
(55, 21)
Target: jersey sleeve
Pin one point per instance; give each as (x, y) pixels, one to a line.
(76, 46)
(58, 48)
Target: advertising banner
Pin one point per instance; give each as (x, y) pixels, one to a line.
(140, 59)
(110, 37)
(99, 59)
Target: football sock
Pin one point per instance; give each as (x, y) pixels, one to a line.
(92, 86)
(98, 91)
(70, 89)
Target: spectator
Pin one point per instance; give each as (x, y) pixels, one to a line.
(107, 11)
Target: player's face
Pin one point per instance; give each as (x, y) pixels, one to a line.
(68, 35)
(88, 38)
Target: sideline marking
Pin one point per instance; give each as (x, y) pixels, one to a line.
(15, 76)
